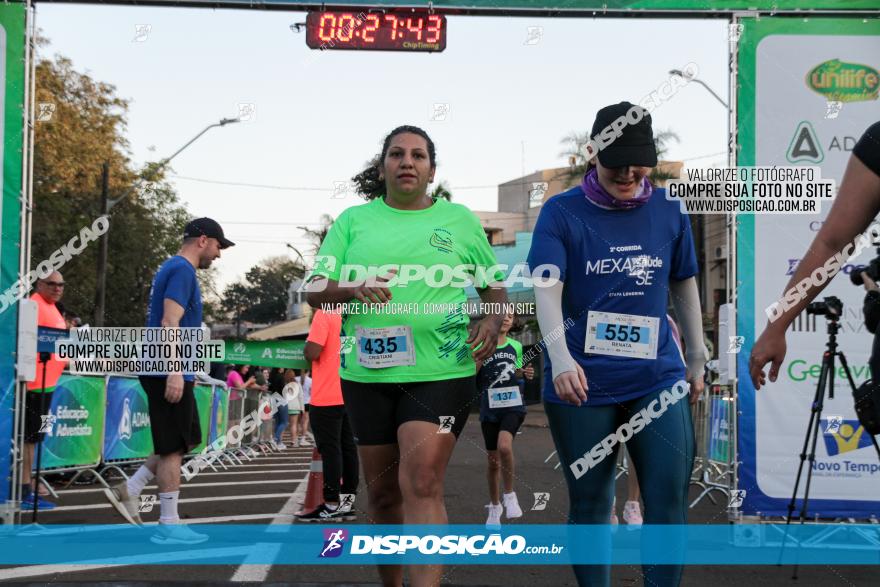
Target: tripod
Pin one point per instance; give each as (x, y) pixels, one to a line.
(826, 379)
(44, 357)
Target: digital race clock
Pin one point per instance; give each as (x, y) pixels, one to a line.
(380, 31)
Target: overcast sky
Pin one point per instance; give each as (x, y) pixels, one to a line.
(319, 116)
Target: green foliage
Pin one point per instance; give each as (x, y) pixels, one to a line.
(317, 235)
(87, 129)
(441, 191)
(262, 296)
(575, 144)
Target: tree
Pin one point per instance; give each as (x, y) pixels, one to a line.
(317, 235)
(86, 130)
(262, 296)
(441, 191)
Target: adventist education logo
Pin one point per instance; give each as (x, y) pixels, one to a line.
(125, 421)
(850, 436)
(441, 239)
(844, 82)
(804, 145)
(334, 540)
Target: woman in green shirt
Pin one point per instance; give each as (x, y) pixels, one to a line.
(408, 374)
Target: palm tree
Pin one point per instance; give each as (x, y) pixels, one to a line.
(317, 235)
(576, 144)
(441, 191)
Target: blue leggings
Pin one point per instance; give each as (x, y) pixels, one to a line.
(663, 456)
(281, 416)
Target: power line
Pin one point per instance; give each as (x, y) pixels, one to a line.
(318, 189)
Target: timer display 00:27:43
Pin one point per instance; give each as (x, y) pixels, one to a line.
(410, 31)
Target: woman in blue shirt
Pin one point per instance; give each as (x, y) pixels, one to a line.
(614, 372)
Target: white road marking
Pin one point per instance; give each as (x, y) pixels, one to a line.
(197, 485)
(101, 506)
(249, 572)
(123, 561)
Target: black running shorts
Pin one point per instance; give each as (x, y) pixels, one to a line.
(175, 427)
(509, 421)
(376, 410)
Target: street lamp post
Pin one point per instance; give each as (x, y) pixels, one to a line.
(295, 306)
(681, 74)
(107, 205)
(700, 219)
(295, 250)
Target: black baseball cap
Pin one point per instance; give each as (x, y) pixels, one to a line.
(635, 146)
(209, 228)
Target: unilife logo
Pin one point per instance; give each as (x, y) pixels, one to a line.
(844, 82)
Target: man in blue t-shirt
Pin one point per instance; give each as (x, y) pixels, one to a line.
(175, 302)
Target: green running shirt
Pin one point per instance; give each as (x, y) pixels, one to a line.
(376, 237)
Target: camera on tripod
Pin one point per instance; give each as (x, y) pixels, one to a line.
(867, 397)
(872, 269)
(830, 306)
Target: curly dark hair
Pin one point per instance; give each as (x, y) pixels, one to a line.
(368, 182)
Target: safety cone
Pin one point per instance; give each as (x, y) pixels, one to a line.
(315, 488)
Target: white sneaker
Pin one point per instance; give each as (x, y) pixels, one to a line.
(511, 506)
(167, 534)
(632, 514)
(282, 446)
(296, 443)
(346, 507)
(304, 442)
(125, 504)
(494, 519)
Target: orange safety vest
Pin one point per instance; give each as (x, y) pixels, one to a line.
(47, 315)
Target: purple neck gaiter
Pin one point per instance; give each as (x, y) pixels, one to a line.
(597, 194)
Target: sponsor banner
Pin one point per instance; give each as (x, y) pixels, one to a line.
(808, 90)
(205, 405)
(713, 6)
(74, 425)
(12, 68)
(531, 544)
(127, 430)
(288, 354)
(219, 414)
(719, 430)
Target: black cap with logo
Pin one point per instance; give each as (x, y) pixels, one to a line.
(635, 146)
(209, 228)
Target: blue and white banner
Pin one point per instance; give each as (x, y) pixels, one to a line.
(522, 544)
(127, 430)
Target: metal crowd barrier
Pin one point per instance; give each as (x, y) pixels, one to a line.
(714, 418)
(240, 447)
(715, 430)
(101, 427)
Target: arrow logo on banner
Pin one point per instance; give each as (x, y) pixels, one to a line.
(804, 145)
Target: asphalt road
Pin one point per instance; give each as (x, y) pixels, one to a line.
(260, 492)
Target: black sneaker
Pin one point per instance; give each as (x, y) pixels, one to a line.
(320, 514)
